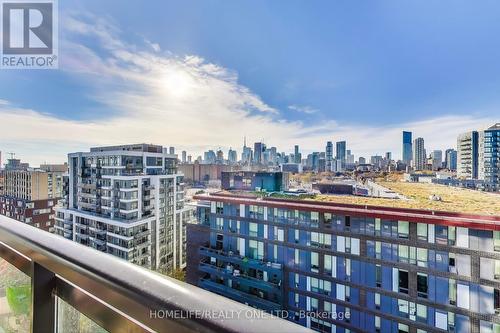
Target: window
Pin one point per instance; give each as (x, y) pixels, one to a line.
(451, 263)
(314, 239)
(348, 269)
(314, 304)
(403, 281)
(378, 250)
(422, 231)
(219, 223)
(496, 240)
(327, 263)
(377, 301)
(403, 229)
(341, 243)
(402, 328)
(441, 234)
(422, 257)
(355, 246)
(452, 291)
(279, 234)
(422, 286)
(297, 257)
(219, 208)
(451, 321)
(327, 306)
(403, 253)
(252, 229)
(314, 262)
(403, 308)
(256, 249)
(314, 217)
(421, 313)
(340, 292)
(327, 220)
(347, 223)
(441, 320)
(497, 270)
(378, 276)
(452, 235)
(377, 226)
(327, 288)
(348, 244)
(256, 211)
(320, 239)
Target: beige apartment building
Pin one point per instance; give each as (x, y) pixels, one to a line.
(30, 195)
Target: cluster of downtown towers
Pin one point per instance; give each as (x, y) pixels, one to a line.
(475, 157)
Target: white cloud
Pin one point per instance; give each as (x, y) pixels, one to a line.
(303, 109)
(185, 102)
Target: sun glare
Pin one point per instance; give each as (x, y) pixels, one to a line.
(177, 82)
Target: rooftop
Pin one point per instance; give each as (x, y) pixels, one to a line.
(143, 147)
(453, 199)
(494, 127)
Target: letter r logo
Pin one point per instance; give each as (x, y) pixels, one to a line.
(27, 27)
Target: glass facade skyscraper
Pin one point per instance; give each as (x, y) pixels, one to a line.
(407, 147)
(341, 151)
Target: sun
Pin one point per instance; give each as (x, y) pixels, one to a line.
(177, 82)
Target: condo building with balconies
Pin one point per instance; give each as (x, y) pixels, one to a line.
(339, 268)
(127, 201)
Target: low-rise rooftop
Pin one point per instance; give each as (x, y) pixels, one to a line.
(452, 199)
(414, 196)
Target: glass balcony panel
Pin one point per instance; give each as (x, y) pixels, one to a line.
(70, 320)
(15, 299)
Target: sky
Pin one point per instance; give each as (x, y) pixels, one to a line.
(201, 75)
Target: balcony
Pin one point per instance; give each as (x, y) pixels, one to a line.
(241, 296)
(268, 286)
(272, 268)
(112, 293)
(87, 186)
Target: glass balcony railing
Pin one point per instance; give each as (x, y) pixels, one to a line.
(50, 284)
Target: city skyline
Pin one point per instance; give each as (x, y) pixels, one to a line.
(183, 154)
(187, 86)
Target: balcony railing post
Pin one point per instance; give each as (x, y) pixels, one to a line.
(43, 312)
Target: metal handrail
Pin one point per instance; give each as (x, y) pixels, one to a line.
(117, 295)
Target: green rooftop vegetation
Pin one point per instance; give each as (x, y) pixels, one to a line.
(453, 199)
(417, 196)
